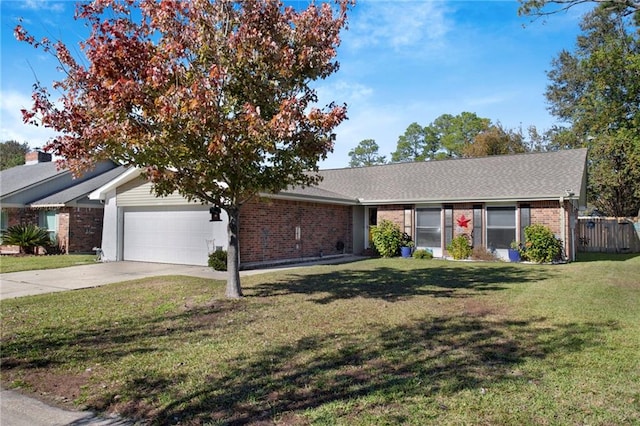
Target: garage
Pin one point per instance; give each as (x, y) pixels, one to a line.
(176, 234)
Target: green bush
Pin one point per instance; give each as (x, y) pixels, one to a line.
(459, 248)
(28, 237)
(540, 244)
(218, 260)
(422, 254)
(387, 238)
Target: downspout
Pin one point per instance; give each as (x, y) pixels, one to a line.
(573, 244)
(563, 230)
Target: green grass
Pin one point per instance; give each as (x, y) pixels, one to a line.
(11, 263)
(383, 341)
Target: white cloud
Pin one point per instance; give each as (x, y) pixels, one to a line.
(11, 125)
(43, 5)
(342, 91)
(399, 25)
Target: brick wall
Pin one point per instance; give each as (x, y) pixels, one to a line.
(63, 230)
(22, 216)
(79, 229)
(393, 213)
(546, 213)
(459, 210)
(85, 229)
(282, 229)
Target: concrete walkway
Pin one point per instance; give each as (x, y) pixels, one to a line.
(20, 410)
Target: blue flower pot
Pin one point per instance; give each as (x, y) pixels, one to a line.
(405, 251)
(514, 255)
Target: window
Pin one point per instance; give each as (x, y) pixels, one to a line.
(525, 218)
(49, 220)
(501, 227)
(448, 224)
(428, 228)
(477, 226)
(4, 223)
(408, 222)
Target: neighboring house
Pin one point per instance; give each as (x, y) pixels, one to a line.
(41, 194)
(490, 200)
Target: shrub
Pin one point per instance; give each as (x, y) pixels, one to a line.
(218, 260)
(482, 253)
(459, 248)
(422, 254)
(387, 238)
(406, 240)
(540, 244)
(28, 237)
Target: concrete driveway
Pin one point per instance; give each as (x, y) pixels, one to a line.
(27, 283)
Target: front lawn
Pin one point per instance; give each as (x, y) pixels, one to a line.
(17, 263)
(382, 341)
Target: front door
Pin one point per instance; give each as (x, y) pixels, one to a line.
(371, 220)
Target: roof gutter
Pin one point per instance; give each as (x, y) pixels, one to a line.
(457, 200)
(47, 206)
(101, 193)
(310, 198)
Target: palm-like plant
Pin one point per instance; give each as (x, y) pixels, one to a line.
(27, 237)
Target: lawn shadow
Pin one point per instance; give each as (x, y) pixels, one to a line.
(423, 357)
(392, 284)
(441, 355)
(610, 257)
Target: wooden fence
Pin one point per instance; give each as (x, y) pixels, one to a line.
(608, 234)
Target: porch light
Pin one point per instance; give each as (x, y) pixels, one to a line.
(215, 214)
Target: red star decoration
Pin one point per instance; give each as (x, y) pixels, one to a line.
(463, 222)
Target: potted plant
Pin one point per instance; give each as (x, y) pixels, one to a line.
(514, 252)
(406, 246)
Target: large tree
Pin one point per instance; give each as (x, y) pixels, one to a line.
(210, 98)
(596, 90)
(411, 145)
(12, 154)
(496, 141)
(366, 154)
(454, 133)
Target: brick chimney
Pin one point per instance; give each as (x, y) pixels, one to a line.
(37, 156)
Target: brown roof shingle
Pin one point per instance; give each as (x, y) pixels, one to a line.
(510, 177)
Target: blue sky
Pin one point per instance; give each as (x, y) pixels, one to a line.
(401, 62)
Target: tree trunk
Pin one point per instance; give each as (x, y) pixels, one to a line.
(234, 291)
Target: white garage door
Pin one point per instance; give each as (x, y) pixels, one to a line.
(171, 235)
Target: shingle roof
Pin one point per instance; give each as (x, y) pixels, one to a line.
(23, 185)
(79, 191)
(510, 177)
(20, 177)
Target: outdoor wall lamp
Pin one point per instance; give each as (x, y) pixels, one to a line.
(215, 214)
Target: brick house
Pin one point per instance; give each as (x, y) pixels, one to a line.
(490, 200)
(38, 193)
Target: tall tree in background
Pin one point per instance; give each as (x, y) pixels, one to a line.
(411, 145)
(596, 89)
(12, 154)
(210, 98)
(495, 141)
(454, 133)
(366, 154)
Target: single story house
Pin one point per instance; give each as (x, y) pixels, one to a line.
(37, 192)
(490, 200)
